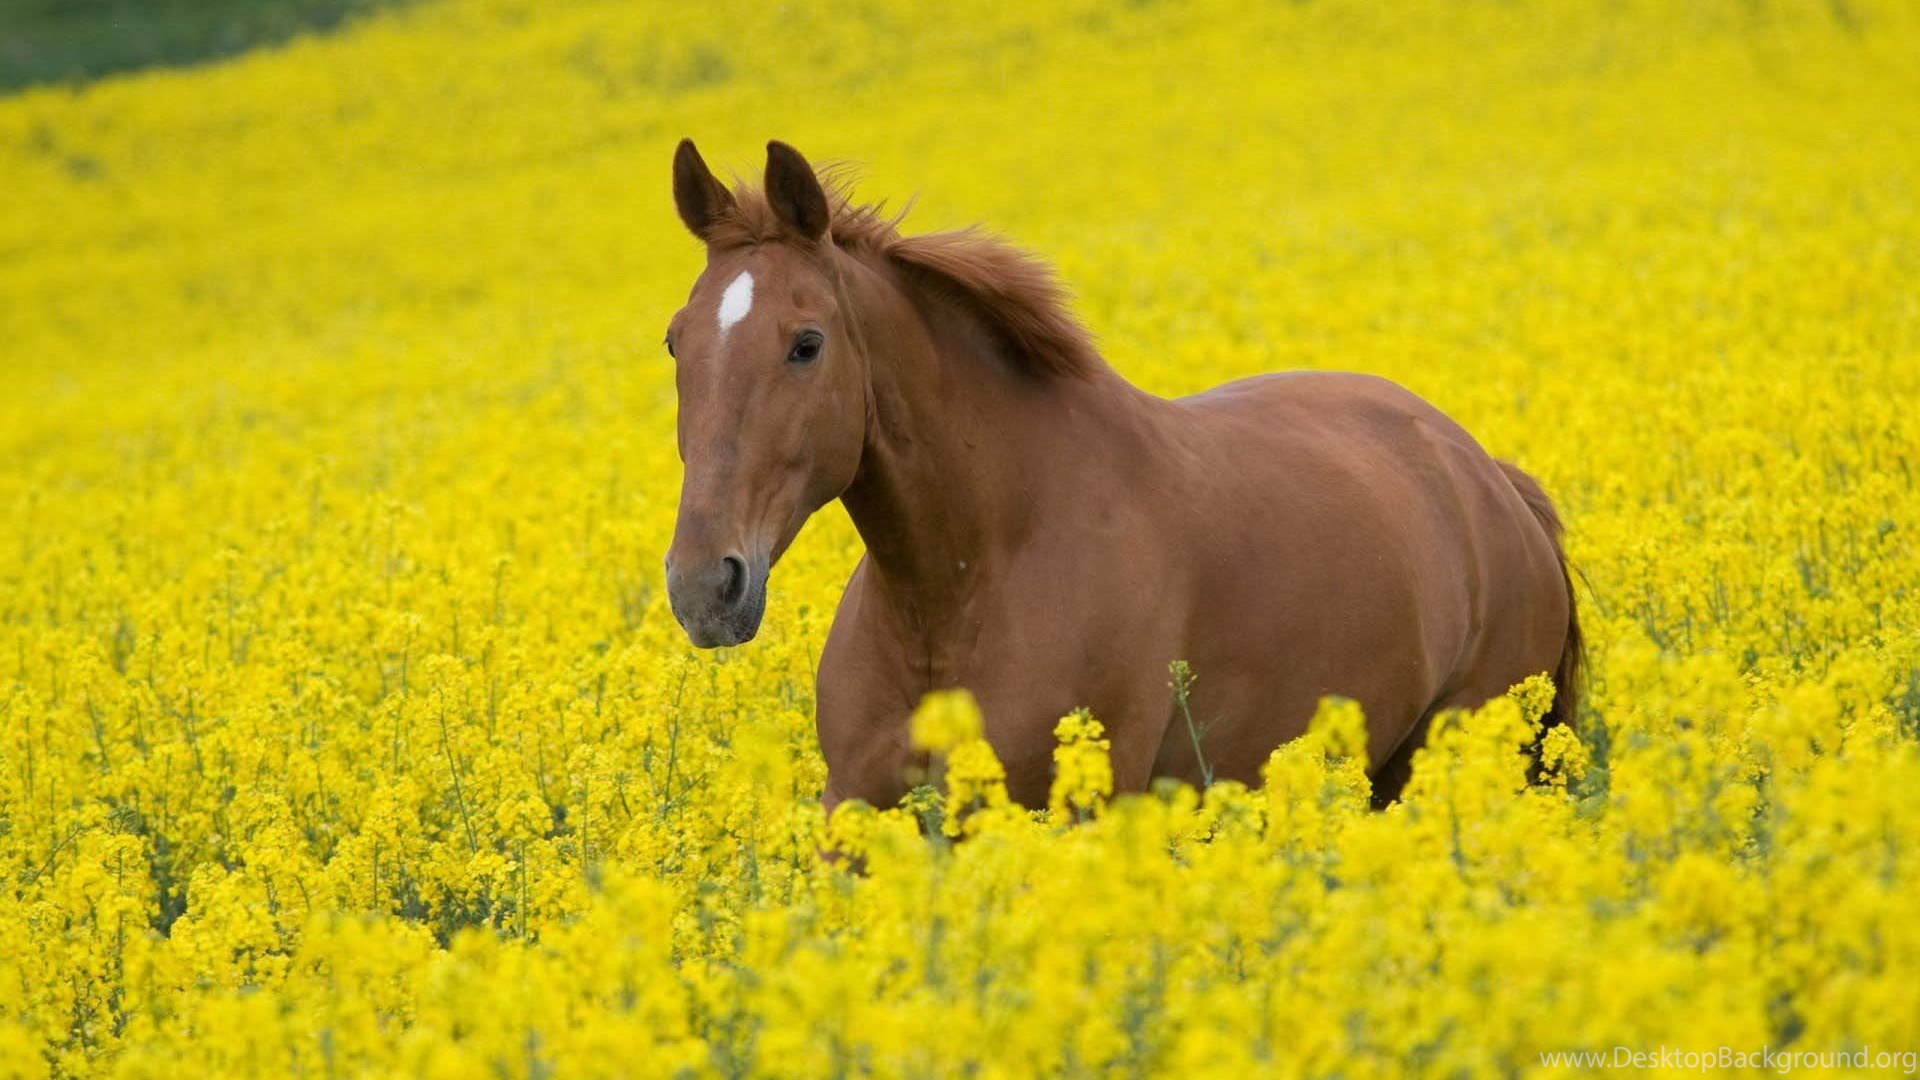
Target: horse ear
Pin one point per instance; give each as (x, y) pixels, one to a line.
(699, 197)
(795, 192)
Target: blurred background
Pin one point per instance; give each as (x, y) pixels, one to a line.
(71, 41)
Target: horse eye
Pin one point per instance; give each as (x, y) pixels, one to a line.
(669, 344)
(806, 348)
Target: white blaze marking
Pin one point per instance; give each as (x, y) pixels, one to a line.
(735, 302)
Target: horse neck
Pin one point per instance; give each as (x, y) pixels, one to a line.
(962, 445)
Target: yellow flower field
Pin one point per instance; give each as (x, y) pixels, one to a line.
(344, 729)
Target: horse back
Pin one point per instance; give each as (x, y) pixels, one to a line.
(1360, 543)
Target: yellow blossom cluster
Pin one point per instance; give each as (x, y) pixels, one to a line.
(1082, 771)
(344, 729)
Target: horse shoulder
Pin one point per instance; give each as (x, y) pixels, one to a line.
(863, 694)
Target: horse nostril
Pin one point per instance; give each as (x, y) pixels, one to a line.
(736, 585)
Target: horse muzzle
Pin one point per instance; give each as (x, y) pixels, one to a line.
(719, 601)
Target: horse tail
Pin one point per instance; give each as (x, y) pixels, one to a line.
(1568, 672)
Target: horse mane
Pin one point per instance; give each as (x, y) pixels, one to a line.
(1014, 293)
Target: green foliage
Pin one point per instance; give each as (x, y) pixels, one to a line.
(48, 41)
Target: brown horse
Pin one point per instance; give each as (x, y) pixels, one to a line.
(1048, 536)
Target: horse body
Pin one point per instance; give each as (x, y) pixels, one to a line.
(1358, 543)
(1049, 537)
(1289, 536)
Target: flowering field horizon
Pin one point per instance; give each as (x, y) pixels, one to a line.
(344, 729)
